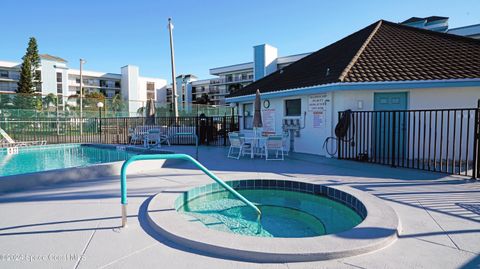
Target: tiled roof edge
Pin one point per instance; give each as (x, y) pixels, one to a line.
(359, 52)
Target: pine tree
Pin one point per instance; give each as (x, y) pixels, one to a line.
(34, 58)
(25, 84)
(29, 78)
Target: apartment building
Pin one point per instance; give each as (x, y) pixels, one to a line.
(184, 90)
(234, 77)
(229, 78)
(440, 24)
(57, 78)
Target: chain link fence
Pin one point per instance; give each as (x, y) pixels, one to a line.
(57, 106)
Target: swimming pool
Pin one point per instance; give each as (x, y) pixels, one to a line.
(45, 158)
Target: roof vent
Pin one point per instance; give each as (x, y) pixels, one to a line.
(328, 72)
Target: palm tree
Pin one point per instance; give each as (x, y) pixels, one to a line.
(117, 103)
(49, 100)
(141, 111)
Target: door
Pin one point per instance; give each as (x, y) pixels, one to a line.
(389, 127)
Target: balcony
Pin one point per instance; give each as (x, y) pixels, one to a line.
(229, 80)
(74, 83)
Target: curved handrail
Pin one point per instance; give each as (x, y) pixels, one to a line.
(123, 179)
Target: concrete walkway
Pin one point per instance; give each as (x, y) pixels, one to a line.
(76, 225)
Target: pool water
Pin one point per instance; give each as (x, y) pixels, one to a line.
(44, 158)
(285, 213)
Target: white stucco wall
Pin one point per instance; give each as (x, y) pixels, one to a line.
(129, 87)
(48, 77)
(142, 88)
(311, 139)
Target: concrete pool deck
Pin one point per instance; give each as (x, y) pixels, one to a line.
(75, 225)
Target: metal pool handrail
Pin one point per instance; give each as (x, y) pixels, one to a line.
(123, 179)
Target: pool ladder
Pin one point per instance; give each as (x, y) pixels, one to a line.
(123, 179)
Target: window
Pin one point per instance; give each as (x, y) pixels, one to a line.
(59, 77)
(4, 73)
(59, 88)
(117, 84)
(38, 79)
(293, 107)
(77, 80)
(248, 116)
(150, 90)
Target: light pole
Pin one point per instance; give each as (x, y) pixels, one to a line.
(82, 61)
(100, 106)
(172, 58)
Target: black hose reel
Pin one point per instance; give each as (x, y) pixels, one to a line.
(341, 132)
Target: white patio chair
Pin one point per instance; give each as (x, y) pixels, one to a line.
(137, 135)
(237, 142)
(274, 144)
(155, 136)
(248, 147)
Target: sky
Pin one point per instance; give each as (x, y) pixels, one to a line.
(207, 34)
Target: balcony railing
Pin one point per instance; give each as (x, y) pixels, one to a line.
(231, 80)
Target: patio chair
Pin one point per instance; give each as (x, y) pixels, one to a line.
(156, 136)
(137, 135)
(7, 141)
(247, 146)
(237, 142)
(274, 144)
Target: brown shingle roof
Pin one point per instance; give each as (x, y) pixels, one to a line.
(383, 51)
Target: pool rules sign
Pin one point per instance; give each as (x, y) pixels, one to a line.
(317, 104)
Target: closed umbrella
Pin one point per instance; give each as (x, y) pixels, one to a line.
(257, 116)
(150, 112)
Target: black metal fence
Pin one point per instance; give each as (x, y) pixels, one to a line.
(440, 140)
(210, 130)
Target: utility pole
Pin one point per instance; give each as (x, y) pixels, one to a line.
(172, 58)
(82, 61)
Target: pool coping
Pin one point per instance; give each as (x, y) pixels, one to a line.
(25, 181)
(378, 230)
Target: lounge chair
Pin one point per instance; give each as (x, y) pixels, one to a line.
(140, 133)
(7, 141)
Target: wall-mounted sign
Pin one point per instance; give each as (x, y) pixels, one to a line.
(266, 104)
(318, 119)
(268, 120)
(318, 102)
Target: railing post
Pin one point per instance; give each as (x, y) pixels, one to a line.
(339, 143)
(224, 129)
(476, 142)
(126, 123)
(393, 142)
